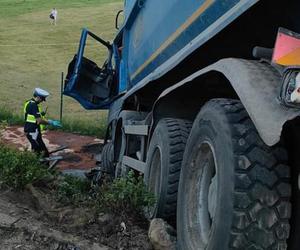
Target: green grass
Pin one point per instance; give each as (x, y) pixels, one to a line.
(96, 127)
(34, 53)
(92, 127)
(12, 8)
(10, 118)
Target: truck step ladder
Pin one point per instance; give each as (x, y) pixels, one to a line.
(138, 130)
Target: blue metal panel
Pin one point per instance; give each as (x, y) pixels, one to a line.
(162, 28)
(156, 36)
(156, 22)
(131, 11)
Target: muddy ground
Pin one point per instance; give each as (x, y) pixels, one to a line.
(32, 219)
(80, 152)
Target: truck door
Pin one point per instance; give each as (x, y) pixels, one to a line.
(93, 86)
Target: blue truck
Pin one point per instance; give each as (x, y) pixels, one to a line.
(203, 99)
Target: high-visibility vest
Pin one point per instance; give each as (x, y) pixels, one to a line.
(31, 118)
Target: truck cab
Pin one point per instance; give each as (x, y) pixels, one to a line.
(90, 81)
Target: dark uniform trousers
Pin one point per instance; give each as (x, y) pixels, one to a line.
(37, 144)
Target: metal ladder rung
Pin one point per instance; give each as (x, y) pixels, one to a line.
(136, 129)
(133, 163)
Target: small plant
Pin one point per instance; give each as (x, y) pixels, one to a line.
(73, 190)
(10, 118)
(126, 194)
(3, 125)
(17, 169)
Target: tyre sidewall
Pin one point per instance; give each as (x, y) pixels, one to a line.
(159, 141)
(107, 158)
(212, 128)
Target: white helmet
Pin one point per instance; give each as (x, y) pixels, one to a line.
(41, 93)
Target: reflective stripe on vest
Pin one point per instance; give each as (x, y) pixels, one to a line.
(28, 118)
(25, 106)
(31, 118)
(42, 126)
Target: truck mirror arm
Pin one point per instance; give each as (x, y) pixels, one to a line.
(117, 19)
(105, 43)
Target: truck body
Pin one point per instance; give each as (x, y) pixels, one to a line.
(210, 122)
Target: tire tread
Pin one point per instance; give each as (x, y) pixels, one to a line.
(261, 197)
(178, 132)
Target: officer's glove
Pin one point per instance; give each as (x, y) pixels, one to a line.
(55, 123)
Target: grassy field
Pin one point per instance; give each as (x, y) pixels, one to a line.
(34, 53)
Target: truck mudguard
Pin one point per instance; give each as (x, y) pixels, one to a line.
(257, 85)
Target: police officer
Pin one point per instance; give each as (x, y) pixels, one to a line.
(35, 121)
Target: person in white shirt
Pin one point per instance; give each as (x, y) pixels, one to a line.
(53, 16)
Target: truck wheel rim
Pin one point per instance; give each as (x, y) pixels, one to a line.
(204, 178)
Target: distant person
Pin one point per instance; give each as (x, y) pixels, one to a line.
(53, 16)
(34, 120)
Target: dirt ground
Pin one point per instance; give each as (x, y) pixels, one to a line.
(80, 152)
(32, 219)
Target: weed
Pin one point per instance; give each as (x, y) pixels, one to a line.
(17, 169)
(3, 126)
(126, 194)
(73, 190)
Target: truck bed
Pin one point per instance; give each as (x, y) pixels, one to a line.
(168, 40)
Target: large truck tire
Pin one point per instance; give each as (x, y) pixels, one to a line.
(163, 165)
(107, 158)
(292, 137)
(234, 191)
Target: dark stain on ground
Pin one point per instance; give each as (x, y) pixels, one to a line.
(94, 148)
(69, 157)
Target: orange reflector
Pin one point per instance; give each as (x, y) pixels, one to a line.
(287, 48)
